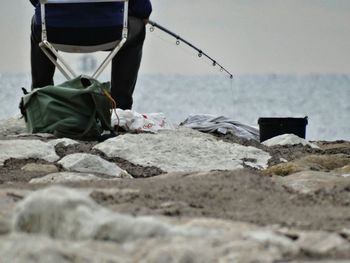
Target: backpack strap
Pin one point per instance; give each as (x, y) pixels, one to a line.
(103, 104)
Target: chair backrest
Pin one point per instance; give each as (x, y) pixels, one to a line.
(66, 70)
(68, 39)
(76, 1)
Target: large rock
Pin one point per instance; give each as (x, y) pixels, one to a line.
(176, 250)
(65, 177)
(40, 168)
(183, 150)
(322, 243)
(89, 163)
(69, 214)
(25, 149)
(13, 125)
(345, 170)
(9, 198)
(281, 243)
(22, 248)
(321, 261)
(325, 163)
(70, 223)
(310, 181)
(319, 243)
(289, 139)
(64, 141)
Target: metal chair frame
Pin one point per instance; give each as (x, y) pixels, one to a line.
(60, 63)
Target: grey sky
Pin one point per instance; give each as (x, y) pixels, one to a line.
(247, 36)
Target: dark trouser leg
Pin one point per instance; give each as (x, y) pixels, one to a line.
(42, 68)
(126, 64)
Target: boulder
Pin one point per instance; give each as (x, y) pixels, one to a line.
(307, 182)
(69, 214)
(13, 125)
(183, 150)
(65, 177)
(325, 163)
(25, 149)
(89, 163)
(41, 168)
(68, 219)
(64, 141)
(321, 243)
(22, 248)
(288, 139)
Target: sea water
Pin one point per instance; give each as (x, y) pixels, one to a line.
(325, 99)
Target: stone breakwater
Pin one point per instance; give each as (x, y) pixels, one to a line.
(175, 196)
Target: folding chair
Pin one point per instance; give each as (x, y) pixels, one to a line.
(61, 64)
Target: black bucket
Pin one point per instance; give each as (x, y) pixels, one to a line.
(272, 127)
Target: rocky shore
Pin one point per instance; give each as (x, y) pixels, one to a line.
(174, 196)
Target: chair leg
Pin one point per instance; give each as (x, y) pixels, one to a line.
(65, 69)
(108, 59)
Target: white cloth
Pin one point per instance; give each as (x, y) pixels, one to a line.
(148, 122)
(220, 124)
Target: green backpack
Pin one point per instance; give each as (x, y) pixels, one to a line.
(77, 109)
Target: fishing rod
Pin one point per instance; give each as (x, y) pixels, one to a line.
(180, 39)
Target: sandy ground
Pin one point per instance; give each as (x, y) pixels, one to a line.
(245, 195)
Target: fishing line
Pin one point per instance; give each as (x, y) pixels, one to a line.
(232, 96)
(200, 53)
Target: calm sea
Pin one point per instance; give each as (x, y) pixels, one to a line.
(325, 99)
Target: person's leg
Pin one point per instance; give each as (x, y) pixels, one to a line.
(126, 64)
(42, 68)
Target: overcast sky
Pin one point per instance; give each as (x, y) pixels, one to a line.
(246, 36)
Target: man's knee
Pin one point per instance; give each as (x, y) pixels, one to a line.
(137, 31)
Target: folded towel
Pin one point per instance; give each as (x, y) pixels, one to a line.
(220, 124)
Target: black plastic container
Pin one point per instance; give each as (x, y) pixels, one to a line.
(271, 127)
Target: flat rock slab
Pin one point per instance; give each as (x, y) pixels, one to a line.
(183, 150)
(288, 139)
(26, 149)
(71, 223)
(322, 243)
(64, 141)
(13, 125)
(41, 168)
(89, 163)
(322, 163)
(307, 182)
(345, 170)
(65, 177)
(322, 261)
(82, 219)
(23, 248)
(8, 200)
